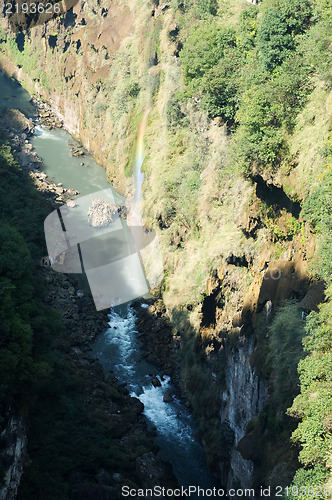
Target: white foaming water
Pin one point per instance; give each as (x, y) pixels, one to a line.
(44, 133)
(119, 347)
(118, 350)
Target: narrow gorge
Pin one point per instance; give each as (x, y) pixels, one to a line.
(216, 125)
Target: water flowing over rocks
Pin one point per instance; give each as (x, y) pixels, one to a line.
(19, 129)
(103, 394)
(120, 349)
(46, 114)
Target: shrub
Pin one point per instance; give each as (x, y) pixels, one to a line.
(314, 404)
(207, 7)
(221, 86)
(134, 90)
(286, 332)
(203, 49)
(248, 28)
(267, 114)
(201, 8)
(317, 210)
(306, 484)
(276, 34)
(174, 114)
(99, 109)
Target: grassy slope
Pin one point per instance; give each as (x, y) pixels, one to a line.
(201, 203)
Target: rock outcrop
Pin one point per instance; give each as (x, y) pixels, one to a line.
(13, 453)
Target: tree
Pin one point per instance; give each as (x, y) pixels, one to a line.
(203, 49)
(278, 29)
(221, 86)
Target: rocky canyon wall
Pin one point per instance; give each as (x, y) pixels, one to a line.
(229, 264)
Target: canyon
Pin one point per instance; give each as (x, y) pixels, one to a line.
(238, 253)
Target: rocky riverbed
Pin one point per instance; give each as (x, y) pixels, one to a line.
(19, 130)
(103, 395)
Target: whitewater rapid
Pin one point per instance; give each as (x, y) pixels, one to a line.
(118, 350)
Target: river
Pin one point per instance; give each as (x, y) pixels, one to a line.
(118, 348)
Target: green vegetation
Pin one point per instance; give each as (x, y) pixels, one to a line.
(27, 325)
(314, 404)
(196, 377)
(281, 23)
(211, 64)
(238, 91)
(280, 349)
(259, 71)
(261, 100)
(201, 8)
(317, 209)
(286, 332)
(65, 435)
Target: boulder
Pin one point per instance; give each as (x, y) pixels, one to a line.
(122, 211)
(148, 468)
(168, 397)
(156, 382)
(77, 152)
(247, 446)
(117, 478)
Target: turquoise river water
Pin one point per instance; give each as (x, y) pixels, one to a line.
(118, 348)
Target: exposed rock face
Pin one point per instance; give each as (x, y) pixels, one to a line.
(243, 398)
(159, 338)
(86, 54)
(240, 388)
(13, 456)
(81, 55)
